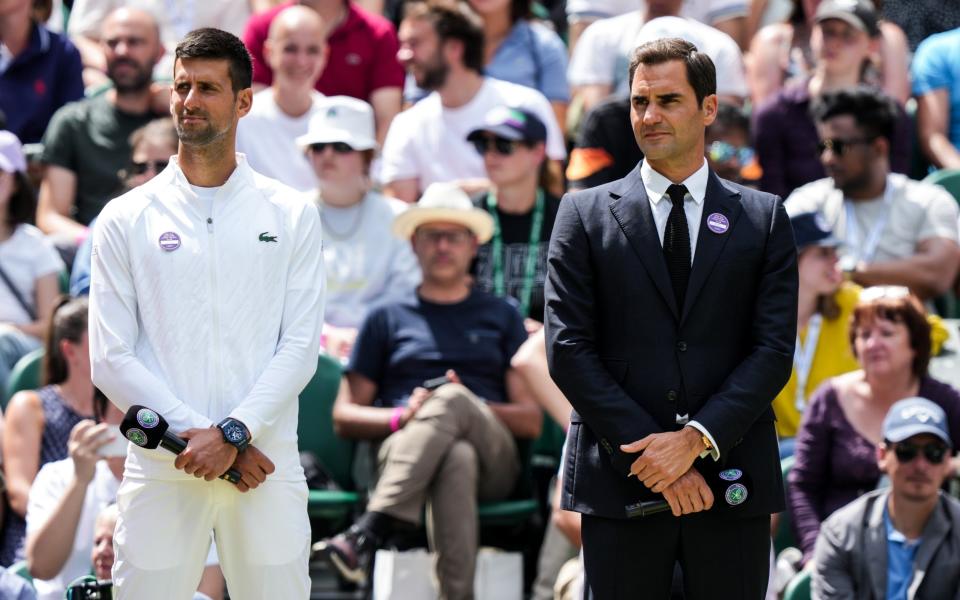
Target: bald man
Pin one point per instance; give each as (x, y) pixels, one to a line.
(296, 50)
(85, 145)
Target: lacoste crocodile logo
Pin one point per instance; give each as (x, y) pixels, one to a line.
(265, 237)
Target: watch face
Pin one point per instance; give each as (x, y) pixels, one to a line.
(234, 433)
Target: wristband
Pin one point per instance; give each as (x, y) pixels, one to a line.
(395, 419)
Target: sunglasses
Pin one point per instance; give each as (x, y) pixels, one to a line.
(934, 453)
(139, 168)
(338, 147)
(722, 152)
(498, 144)
(454, 238)
(839, 147)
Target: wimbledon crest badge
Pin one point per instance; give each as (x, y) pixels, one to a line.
(137, 436)
(736, 494)
(147, 418)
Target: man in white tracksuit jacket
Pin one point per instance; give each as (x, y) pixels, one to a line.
(206, 306)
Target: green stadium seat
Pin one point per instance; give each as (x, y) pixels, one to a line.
(20, 569)
(799, 587)
(316, 435)
(24, 376)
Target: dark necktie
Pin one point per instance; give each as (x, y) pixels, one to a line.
(676, 244)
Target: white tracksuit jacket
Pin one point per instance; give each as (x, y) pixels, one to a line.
(200, 317)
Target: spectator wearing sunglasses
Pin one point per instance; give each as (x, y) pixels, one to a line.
(836, 446)
(846, 37)
(728, 147)
(513, 263)
(366, 264)
(895, 231)
(902, 542)
(296, 50)
(153, 145)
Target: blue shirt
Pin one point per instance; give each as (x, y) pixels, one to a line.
(532, 55)
(900, 555)
(80, 276)
(34, 84)
(936, 66)
(402, 344)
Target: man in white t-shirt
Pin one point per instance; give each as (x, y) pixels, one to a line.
(729, 16)
(895, 231)
(296, 50)
(598, 67)
(427, 143)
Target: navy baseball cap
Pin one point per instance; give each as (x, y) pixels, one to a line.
(913, 416)
(512, 124)
(811, 229)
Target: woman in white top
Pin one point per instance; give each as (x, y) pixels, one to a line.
(365, 263)
(29, 265)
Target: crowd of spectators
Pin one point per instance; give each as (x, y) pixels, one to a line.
(436, 139)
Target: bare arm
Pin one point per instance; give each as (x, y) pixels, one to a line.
(591, 94)
(58, 192)
(47, 289)
(933, 115)
(354, 415)
(407, 190)
(930, 272)
(386, 104)
(21, 447)
(735, 28)
(764, 74)
(894, 61)
(530, 361)
(560, 112)
(521, 414)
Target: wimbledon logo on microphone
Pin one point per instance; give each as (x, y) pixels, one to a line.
(147, 418)
(137, 436)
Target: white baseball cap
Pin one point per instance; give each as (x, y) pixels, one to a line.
(341, 119)
(12, 159)
(447, 203)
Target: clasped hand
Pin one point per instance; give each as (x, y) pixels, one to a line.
(664, 457)
(207, 455)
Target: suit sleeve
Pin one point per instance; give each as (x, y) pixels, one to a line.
(832, 575)
(572, 356)
(750, 389)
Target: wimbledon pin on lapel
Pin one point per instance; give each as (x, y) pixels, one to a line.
(169, 241)
(718, 223)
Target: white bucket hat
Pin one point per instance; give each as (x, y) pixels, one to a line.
(446, 203)
(341, 119)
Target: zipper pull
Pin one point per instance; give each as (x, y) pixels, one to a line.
(209, 224)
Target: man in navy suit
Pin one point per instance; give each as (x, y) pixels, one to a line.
(671, 321)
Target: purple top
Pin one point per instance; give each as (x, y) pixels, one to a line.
(785, 139)
(834, 464)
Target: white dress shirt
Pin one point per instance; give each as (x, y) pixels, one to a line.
(656, 186)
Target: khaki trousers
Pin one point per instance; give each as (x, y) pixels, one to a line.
(454, 452)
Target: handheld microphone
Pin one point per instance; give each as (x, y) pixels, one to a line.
(147, 429)
(732, 485)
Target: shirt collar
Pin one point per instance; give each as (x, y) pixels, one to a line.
(658, 184)
(893, 535)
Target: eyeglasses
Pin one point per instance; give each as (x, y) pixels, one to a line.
(500, 145)
(934, 453)
(839, 147)
(338, 147)
(139, 168)
(455, 237)
(722, 152)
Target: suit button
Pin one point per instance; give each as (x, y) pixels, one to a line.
(672, 396)
(682, 346)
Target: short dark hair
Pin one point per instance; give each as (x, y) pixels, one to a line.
(701, 74)
(210, 43)
(874, 112)
(903, 309)
(452, 20)
(730, 117)
(520, 9)
(68, 322)
(22, 206)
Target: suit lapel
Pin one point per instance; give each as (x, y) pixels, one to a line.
(718, 200)
(934, 532)
(631, 209)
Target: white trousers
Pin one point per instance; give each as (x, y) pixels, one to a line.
(163, 535)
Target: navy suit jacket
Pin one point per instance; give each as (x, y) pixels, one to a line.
(629, 359)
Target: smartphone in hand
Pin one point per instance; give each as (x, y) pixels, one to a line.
(432, 384)
(117, 446)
